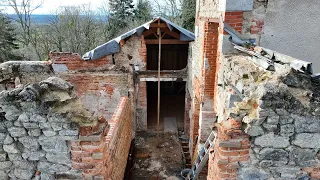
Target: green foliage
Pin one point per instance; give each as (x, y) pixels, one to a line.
(7, 40)
(142, 12)
(121, 12)
(125, 16)
(188, 14)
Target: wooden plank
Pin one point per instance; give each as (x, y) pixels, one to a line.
(166, 41)
(161, 25)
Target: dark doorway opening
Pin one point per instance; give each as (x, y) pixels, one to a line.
(173, 56)
(172, 104)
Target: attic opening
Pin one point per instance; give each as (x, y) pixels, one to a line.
(172, 105)
(174, 46)
(173, 56)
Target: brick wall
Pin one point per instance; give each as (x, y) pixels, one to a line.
(234, 19)
(142, 90)
(194, 125)
(99, 92)
(209, 78)
(231, 148)
(73, 61)
(256, 26)
(211, 61)
(186, 114)
(102, 150)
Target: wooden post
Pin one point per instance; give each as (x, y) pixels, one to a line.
(159, 59)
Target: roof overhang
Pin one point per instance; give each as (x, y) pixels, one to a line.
(113, 46)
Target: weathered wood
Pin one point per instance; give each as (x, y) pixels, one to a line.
(166, 41)
(161, 25)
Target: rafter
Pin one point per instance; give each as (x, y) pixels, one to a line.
(166, 41)
(161, 25)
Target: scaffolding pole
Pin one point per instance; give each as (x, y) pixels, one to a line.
(159, 59)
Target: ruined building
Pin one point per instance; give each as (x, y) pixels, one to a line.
(75, 117)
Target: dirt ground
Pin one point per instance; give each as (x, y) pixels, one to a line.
(157, 157)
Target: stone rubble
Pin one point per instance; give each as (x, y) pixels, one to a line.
(35, 129)
(280, 114)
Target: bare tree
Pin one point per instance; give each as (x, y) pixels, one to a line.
(170, 9)
(24, 10)
(57, 30)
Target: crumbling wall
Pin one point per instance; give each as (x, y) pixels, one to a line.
(102, 151)
(208, 8)
(37, 124)
(130, 54)
(278, 112)
(99, 92)
(98, 83)
(283, 35)
(272, 24)
(14, 73)
(47, 133)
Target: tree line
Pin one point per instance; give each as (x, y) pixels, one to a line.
(78, 28)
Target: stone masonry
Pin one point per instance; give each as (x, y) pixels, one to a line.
(37, 123)
(278, 115)
(46, 133)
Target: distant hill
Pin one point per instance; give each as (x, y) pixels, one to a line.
(37, 18)
(40, 18)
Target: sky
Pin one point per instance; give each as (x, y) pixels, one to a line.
(49, 6)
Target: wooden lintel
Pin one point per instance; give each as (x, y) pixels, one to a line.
(166, 41)
(161, 25)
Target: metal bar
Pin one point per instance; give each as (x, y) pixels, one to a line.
(159, 59)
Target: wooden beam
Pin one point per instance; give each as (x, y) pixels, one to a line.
(149, 32)
(166, 41)
(166, 30)
(161, 25)
(172, 33)
(163, 35)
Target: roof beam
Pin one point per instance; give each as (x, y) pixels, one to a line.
(161, 25)
(166, 41)
(173, 34)
(166, 30)
(149, 32)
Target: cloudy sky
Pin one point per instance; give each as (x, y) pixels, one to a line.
(49, 6)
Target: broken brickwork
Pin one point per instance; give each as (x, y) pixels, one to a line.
(37, 123)
(278, 114)
(102, 151)
(260, 113)
(47, 133)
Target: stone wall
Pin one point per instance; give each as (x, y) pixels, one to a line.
(47, 133)
(37, 124)
(13, 73)
(278, 112)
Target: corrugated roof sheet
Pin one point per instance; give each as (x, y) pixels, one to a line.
(113, 45)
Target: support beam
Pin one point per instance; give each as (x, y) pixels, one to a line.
(161, 25)
(159, 64)
(173, 34)
(166, 41)
(165, 30)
